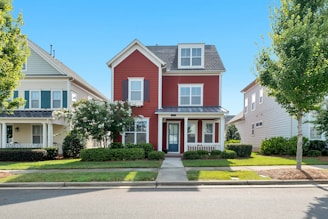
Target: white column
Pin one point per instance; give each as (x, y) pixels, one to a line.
(222, 129)
(44, 134)
(185, 133)
(50, 134)
(160, 133)
(4, 135)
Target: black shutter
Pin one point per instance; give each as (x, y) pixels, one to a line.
(125, 90)
(146, 90)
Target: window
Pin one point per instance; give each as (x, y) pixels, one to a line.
(192, 132)
(261, 96)
(253, 128)
(191, 95)
(56, 99)
(246, 106)
(35, 99)
(259, 124)
(36, 134)
(253, 102)
(208, 132)
(191, 55)
(136, 90)
(74, 97)
(137, 132)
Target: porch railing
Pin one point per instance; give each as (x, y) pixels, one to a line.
(23, 145)
(204, 146)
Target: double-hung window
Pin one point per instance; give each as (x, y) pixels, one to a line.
(56, 99)
(261, 96)
(191, 55)
(246, 105)
(136, 90)
(137, 132)
(190, 94)
(253, 102)
(208, 132)
(192, 131)
(35, 99)
(36, 134)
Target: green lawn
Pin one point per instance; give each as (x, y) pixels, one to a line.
(224, 175)
(81, 177)
(255, 160)
(78, 164)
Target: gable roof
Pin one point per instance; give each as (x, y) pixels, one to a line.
(169, 54)
(62, 69)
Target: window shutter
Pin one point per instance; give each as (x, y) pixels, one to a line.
(27, 98)
(64, 98)
(15, 94)
(147, 90)
(46, 99)
(125, 90)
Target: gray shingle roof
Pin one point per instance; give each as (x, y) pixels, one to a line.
(195, 109)
(29, 114)
(169, 54)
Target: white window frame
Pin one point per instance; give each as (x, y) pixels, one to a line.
(201, 86)
(246, 105)
(195, 133)
(253, 103)
(136, 102)
(60, 99)
(191, 46)
(204, 123)
(39, 98)
(41, 133)
(261, 96)
(135, 130)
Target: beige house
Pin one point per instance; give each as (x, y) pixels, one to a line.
(48, 85)
(262, 117)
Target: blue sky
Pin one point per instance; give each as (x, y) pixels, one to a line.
(86, 34)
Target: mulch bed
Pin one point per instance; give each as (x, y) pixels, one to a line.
(293, 173)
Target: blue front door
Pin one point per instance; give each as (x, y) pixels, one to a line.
(173, 137)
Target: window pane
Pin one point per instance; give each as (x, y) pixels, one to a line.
(56, 103)
(184, 91)
(34, 95)
(136, 85)
(185, 101)
(191, 138)
(196, 61)
(141, 138)
(36, 139)
(185, 52)
(35, 104)
(129, 138)
(196, 91)
(195, 100)
(196, 52)
(209, 128)
(185, 61)
(141, 126)
(208, 138)
(56, 95)
(135, 95)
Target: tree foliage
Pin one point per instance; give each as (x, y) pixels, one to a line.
(232, 133)
(98, 119)
(321, 118)
(295, 68)
(13, 54)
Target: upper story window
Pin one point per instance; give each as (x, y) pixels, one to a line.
(246, 105)
(191, 56)
(253, 102)
(35, 99)
(190, 94)
(135, 94)
(74, 97)
(56, 99)
(261, 96)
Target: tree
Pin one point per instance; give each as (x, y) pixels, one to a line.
(232, 133)
(13, 54)
(98, 119)
(321, 119)
(295, 68)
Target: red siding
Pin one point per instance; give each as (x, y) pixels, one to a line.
(210, 90)
(137, 65)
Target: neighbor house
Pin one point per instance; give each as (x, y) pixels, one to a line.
(48, 85)
(262, 117)
(176, 95)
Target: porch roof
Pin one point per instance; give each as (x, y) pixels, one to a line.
(193, 110)
(28, 114)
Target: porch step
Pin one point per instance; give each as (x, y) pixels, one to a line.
(173, 155)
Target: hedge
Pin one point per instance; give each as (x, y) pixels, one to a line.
(156, 155)
(126, 154)
(228, 154)
(95, 154)
(242, 150)
(19, 154)
(146, 146)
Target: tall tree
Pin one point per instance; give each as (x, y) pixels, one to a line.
(232, 133)
(13, 54)
(295, 67)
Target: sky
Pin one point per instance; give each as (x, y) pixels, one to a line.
(87, 34)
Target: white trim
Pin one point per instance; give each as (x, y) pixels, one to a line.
(136, 102)
(179, 135)
(204, 122)
(190, 47)
(201, 86)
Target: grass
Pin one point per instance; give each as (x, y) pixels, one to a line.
(78, 164)
(81, 177)
(255, 160)
(224, 175)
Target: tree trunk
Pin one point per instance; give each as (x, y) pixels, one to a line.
(299, 152)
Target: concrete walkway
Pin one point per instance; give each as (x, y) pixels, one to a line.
(172, 170)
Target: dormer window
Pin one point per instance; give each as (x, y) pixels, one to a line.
(191, 56)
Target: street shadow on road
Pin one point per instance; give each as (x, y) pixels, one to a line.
(319, 208)
(15, 196)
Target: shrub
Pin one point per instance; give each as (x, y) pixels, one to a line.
(203, 154)
(52, 152)
(317, 145)
(191, 155)
(126, 154)
(215, 154)
(156, 155)
(72, 145)
(228, 154)
(314, 153)
(95, 154)
(22, 154)
(273, 145)
(242, 150)
(146, 146)
(115, 145)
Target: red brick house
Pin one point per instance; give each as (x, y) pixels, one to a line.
(176, 94)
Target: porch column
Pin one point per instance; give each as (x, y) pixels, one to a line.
(185, 134)
(50, 134)
(160, 133)
(4, 135)
(222, 127)
(44, 134)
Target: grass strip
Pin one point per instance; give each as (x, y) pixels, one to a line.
(81, 177)
(224, 175)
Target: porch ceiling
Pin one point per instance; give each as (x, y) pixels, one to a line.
(200, 110)
(28, 114)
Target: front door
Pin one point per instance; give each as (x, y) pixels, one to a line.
(173, 137)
